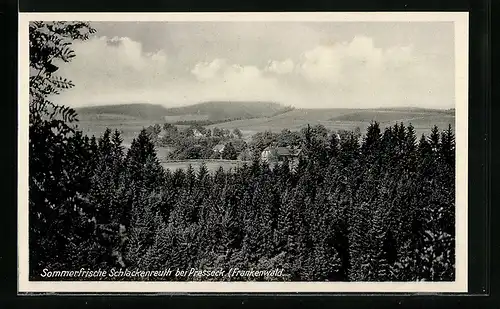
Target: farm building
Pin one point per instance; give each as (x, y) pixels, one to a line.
(197, 133)
(219, 149)
(279, 155)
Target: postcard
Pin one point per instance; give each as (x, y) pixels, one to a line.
(243, 152)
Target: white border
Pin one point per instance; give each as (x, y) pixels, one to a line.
(461, 22)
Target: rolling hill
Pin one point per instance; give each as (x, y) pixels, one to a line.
(213, 111)
(137, 111)
(131, 118)
(345, 119)
(252, 117)
(224, 110)
(390, 115)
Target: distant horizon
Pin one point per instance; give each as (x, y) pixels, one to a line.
(264, 102)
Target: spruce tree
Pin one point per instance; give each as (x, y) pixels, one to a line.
(333, 146)
(229, 153)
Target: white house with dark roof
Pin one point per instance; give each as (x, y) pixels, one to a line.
(197, 133)
(219, 148)
(278, 155)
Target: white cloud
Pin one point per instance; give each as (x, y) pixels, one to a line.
(222, 80)
(244, 73)
(354, 73)
(358, 73)
(221, 69)
(280, 67)
(113, 63)
(333, 63)
(204, 71)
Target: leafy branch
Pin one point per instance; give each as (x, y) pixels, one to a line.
(51, 42)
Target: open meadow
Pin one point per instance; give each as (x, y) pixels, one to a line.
(343, 119)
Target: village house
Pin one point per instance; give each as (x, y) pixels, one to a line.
(219, 149)
(278, 155)
(197, 133)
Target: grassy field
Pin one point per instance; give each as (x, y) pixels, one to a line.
(130, 128)
(343, 119)
(212, 164)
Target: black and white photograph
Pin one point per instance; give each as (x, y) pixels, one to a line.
(243, 152)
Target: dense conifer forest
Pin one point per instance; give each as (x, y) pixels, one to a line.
(372, 206)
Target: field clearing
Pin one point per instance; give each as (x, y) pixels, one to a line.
(129, 128)
(188, 117)
(342, 119)
(212, 165)
(106, 116)
(162, 152)
(383, 116)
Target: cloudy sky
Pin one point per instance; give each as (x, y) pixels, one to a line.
(312, 64)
